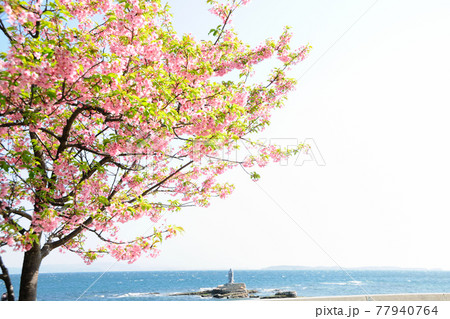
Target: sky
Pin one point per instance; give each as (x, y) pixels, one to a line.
(373, 102)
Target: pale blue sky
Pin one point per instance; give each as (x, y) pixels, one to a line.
(377, 106)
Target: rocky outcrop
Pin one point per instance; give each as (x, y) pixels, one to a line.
(282, 294)
(236, 291)
(229, 291)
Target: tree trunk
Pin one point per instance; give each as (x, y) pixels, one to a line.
(5, 277)
(30, 272)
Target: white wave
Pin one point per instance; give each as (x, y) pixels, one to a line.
(334, 283)
(136, 295)
(351, 282)
(174, 294)
(269, 290)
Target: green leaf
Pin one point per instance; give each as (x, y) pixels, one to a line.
(4, 166)
(255, 176)
(103, 200)
(51, 93)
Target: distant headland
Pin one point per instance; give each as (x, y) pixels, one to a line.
(289, 267)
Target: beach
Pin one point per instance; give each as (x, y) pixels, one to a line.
(380, 297)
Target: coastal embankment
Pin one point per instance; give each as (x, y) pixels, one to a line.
(380, 297)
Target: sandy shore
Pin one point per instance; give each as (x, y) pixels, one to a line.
(392, 297)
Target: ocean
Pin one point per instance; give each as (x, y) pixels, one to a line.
(157, 285)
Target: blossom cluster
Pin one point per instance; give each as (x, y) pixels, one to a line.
(118, 120)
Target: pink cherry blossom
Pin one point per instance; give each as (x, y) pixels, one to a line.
(103, 123)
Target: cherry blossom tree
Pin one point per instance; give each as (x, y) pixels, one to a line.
(107, 116)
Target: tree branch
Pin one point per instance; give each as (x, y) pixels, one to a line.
(84, 177)
(223, 28)
(11, 221)
(5, 31)
(11, 124)
(66, 131)
(50, 246)
(7, 279)
(161, 182)
(18, 212)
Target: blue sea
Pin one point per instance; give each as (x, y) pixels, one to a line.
(158, 285)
